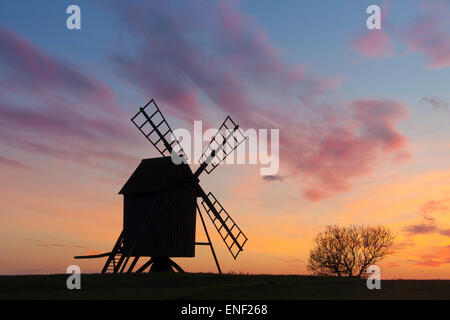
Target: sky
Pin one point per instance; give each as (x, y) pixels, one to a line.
(363, 118)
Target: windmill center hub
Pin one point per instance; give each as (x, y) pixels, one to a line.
(235, 146)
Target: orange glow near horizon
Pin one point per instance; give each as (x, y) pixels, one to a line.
(45, 230)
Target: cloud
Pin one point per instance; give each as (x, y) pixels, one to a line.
(437, 103)
(399, 246)
(60, 121)
(87, 155)
(12, 163)
(42, 243)
(421, 228)
(429, 224)
(390, 265)
(272, 178)
(211, 54)
(429, 35)
(26, 68)
(434, 261)
(436, 257)
(373, 44)
(292, 262)
(433, 206)
(346, 145)
(445, 232)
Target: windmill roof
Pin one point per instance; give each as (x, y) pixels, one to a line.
(157, 174)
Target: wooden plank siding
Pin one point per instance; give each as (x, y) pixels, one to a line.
(171, 210)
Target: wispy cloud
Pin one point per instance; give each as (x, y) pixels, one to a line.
(293, 262)
(273, 178)
(437, 103)
(422, 228)
(25, 68)
(436, 257)
(14, 163)
(54, 109)
(399, 246)
(42, 243)
(429, 224)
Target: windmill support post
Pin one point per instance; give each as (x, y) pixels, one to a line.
(209, 241)
(145, 266)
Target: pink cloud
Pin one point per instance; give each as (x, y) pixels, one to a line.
(373, 44)
(435, 257)
(28, 69)
(61, 121)
(429, 34)
(207, 54)
(12, 163)
(344, 143)
(429, 224)
(429, 37)
(432, 261)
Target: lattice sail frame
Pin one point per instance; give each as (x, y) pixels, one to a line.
(152, 124)
(234, 245)
(224, 142)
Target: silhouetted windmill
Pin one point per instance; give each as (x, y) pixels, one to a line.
(160, 200)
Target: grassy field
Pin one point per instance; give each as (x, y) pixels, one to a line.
(213, 286)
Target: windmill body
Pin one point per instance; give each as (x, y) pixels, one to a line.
(159, 206)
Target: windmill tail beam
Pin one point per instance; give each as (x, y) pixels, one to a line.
(94, 256)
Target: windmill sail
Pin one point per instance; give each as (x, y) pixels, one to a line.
(152, 124)
(231, 234)
(226, 140)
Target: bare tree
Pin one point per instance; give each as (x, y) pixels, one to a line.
(347, 251)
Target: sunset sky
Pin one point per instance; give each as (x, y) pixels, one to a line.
(364, 120)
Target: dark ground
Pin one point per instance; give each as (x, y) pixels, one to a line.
(213, 286)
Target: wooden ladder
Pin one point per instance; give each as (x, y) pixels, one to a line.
(116, 257)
